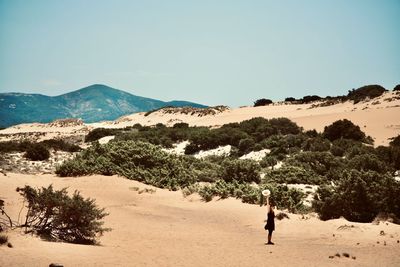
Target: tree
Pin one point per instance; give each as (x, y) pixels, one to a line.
(262, 102)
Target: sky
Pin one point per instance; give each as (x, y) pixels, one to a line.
(212, 52)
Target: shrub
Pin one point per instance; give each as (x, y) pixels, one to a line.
(56, 216)
(292, 175)
(344, 129)
(316, 144)
(98, 133)
(395, 141)
(290, 99)
(246, 145)
(37, 152)
(368, 91)
(262, 102)
(396, 88)
(240, 170)
(358, 196)
(318, 162)
(135, 160)
(59, 144)
(310, 98)
(268, 161)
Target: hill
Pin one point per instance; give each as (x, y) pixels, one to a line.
(92, 104)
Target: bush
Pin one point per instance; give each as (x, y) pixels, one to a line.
(56, 216)
(396, 88)
(98, 133)
(268, 161)
(262, 102)
(245, 171)
(135, 160)
(59, 144)
(292, 175)
(395, 141)
(291, 199)
(290, 99)
(368, 91)
(316, 144)
(310, 98)
(344, 129)
(358, 196)
(37, 152)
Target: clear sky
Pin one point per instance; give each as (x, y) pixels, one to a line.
(211, 52)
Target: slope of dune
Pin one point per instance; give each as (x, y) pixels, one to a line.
(165, 229)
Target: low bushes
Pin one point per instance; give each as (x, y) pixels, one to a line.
(56, 216)
(37, 152)
(358, 196)
(286, 198)
(135, 160)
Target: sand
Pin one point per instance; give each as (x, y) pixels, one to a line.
(166, 229)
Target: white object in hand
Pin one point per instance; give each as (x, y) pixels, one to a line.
(266, 193)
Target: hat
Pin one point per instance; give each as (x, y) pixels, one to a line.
(266, 193)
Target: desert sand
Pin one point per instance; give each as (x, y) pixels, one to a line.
(165, 229)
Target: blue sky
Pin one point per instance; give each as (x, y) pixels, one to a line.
(212, 52)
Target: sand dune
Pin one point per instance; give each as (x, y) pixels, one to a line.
(378, 117)
(165, 229)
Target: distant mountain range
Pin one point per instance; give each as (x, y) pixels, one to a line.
(93, 103)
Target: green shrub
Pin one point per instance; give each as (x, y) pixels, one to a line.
(368, 91)
(316, 144)
(56, 216)
(268, 161)
(344, 129)
(292, 175)
(135, 160)
(318, 162)
(37, 152)
(59, 144)
(98, 133)
(246, 171)
(395, 141)
(358, 196)
(262, 102)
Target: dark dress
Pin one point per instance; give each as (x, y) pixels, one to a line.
(270, 226)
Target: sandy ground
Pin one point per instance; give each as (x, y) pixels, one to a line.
(165, 229)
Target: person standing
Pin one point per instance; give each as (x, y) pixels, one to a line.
(270, 225)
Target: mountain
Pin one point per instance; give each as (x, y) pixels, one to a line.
(93, 103)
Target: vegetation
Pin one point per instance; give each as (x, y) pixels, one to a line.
(333, 160)
(344, 129)
(358, 196)
(262, 102)
(23, 146)
(368, 91)
(135, 160)
(56, 216)
(37, 152)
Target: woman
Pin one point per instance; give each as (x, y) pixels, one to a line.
(270, 226)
